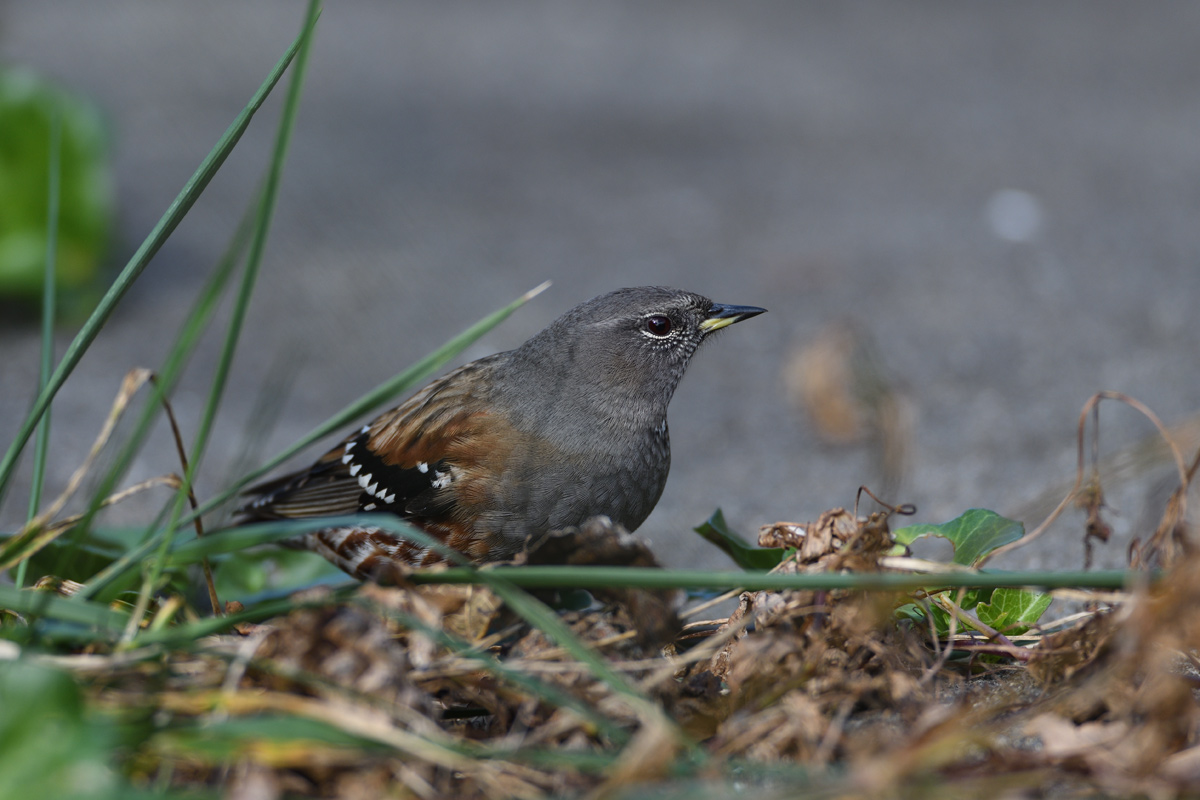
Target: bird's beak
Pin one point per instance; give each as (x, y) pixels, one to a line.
(720, 316)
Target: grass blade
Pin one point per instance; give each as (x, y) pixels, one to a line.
(49, 289)
(48, 605)
(541, 689)
(137, 263)
(262, 226)
(543, 577)
(193, 326)
(372, 399)
(246, 536)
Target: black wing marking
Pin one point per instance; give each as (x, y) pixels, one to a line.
(352, 479)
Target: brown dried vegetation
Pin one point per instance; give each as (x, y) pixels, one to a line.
(824, 680)
(442, 691)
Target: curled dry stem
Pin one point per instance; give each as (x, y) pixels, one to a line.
(1093, 406)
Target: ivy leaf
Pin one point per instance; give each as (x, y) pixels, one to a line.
(974, 535)
(1013, 610)
(717, 531)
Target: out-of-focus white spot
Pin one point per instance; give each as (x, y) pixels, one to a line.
(1014, 215)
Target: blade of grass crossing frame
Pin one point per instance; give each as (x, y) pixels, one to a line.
(137, 263)
(246, 536)
(539, 615)
(49, 295)
(194, 325)
(33, 603)
(543, 577)
(262, 226)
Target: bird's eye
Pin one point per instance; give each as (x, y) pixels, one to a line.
(658, 325)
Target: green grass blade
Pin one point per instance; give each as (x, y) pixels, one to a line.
(137, 263)
(262, 226)
(236, 539)
(49, 295)
(547, 577)
(47, 605)
(194, 325)
(538, 614)
(168, 374)
(258, 244)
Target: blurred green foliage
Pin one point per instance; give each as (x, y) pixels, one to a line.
(28, 105)
(50, 745)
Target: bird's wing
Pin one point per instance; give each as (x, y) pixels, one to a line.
(404, 462)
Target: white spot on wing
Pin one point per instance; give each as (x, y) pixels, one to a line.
(354, 469)
(442, 479)
(346, 459)
(422, 467)
(364, 481)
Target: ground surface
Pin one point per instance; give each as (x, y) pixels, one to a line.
(822, 160)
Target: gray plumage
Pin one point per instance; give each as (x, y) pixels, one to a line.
(568, 426)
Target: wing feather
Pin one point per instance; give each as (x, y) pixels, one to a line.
(391, 465)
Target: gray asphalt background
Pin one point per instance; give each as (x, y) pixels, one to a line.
(825, 160)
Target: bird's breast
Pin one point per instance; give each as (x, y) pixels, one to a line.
(546, 486)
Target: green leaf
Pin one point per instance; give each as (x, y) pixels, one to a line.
(78, 559)
(916, 614)
(253, 575)
(974, 535)
(262, 226)
(717, 531)
(52, 745)
(1013, 610)
(49, 745)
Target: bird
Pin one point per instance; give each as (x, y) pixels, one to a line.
(568, 426)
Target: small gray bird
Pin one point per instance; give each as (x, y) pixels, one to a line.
(568, 426)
